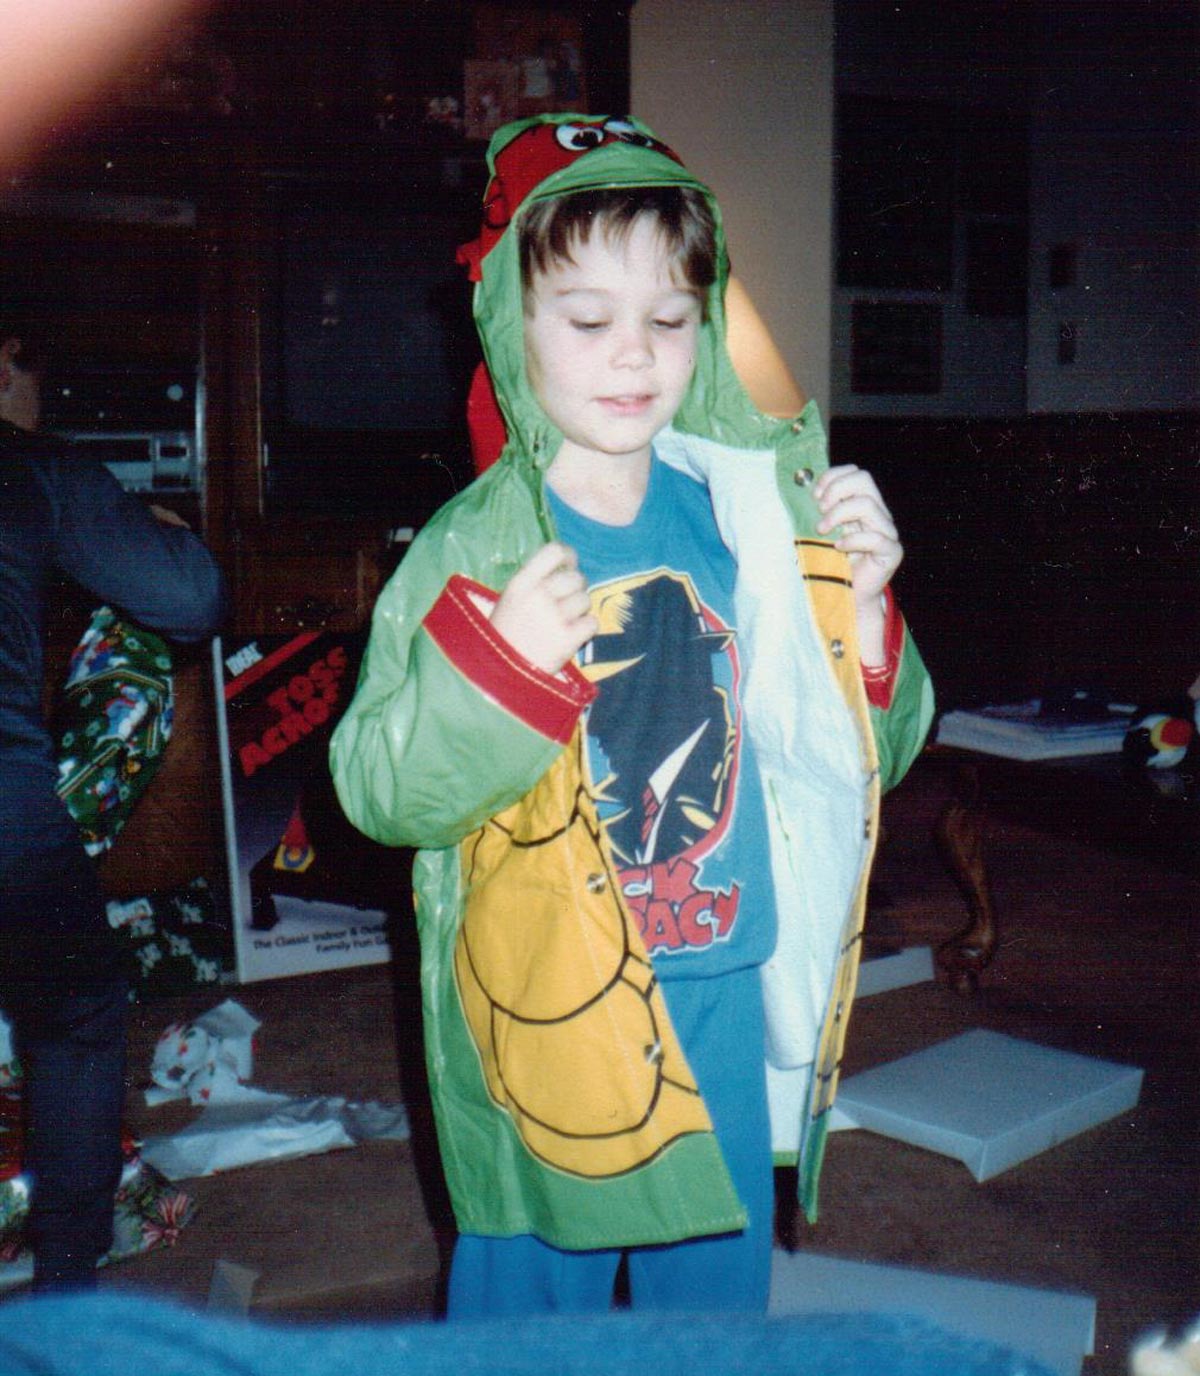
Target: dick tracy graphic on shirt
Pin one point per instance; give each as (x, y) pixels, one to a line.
(663, 746)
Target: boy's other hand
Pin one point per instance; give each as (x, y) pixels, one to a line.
(545, 613)
(165, 516)
(847, 497)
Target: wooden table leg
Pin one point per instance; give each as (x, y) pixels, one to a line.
(960, 833)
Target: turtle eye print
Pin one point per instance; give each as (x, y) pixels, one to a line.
(579, 138)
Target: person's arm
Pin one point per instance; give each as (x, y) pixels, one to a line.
(159, 575)
(450, 724)
(756, 357)
(902, 726)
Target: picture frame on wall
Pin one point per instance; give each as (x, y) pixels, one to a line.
(895, 194)
(997, 279)
(489, 96)
(895, 348)
(524, 62)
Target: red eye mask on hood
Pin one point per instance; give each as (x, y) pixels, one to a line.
(535, 153)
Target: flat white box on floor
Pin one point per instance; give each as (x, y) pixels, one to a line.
(988, 1100)
(1052, 1327)
(913, 965)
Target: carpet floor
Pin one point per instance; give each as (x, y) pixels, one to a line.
(1097, 956)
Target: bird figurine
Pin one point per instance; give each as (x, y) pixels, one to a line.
(1158, 737)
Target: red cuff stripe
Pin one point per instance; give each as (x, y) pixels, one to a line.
(549, 703)
(880, 679)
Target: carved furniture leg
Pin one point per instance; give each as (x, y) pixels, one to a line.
(960, 836)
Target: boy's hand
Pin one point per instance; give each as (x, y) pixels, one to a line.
(165, 516)
(545, 613)
(847, 497)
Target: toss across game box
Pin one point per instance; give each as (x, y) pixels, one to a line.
(307, 891)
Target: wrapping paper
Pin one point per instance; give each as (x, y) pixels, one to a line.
(173, 940)
(210, 1061)
(204, 1060)
(253, 1126)
(113, 722)
(148, 1211)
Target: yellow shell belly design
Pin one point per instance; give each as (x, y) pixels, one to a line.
(558, 993)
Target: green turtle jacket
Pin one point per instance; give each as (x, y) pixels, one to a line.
(565, 1106)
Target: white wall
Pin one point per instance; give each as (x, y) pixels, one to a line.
(743, 91)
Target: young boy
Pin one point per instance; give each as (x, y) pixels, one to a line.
(634, 694)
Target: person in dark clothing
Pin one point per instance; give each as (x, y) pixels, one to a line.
(60, 981)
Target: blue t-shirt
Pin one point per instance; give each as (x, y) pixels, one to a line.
(672, 772)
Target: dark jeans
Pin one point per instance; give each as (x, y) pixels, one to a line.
(62, 990)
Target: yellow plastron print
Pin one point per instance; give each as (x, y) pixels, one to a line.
(559, 994)
(826, 571)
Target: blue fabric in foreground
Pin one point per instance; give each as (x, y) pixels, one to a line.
(115, 1335)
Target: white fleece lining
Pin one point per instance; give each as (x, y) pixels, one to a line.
(810, 756)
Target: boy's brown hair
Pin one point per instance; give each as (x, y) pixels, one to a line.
(551, 228)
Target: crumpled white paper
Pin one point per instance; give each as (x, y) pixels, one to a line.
(206, 1060)
(209, 1061)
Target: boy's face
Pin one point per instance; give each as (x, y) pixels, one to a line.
(610, 343)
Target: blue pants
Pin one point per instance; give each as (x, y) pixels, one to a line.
(720, 1023)
(62, 990)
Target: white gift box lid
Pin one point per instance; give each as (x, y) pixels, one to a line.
(987, 1099)
(1054, 1328)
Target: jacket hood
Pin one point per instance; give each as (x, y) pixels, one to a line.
(558, 154)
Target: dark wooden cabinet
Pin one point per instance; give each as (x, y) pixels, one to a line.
(310, 575)
(164, 239)
(304, 163)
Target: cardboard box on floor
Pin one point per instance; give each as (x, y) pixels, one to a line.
(301, 896)
(1051, 1327)
(989, 1100)
(878, 975)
